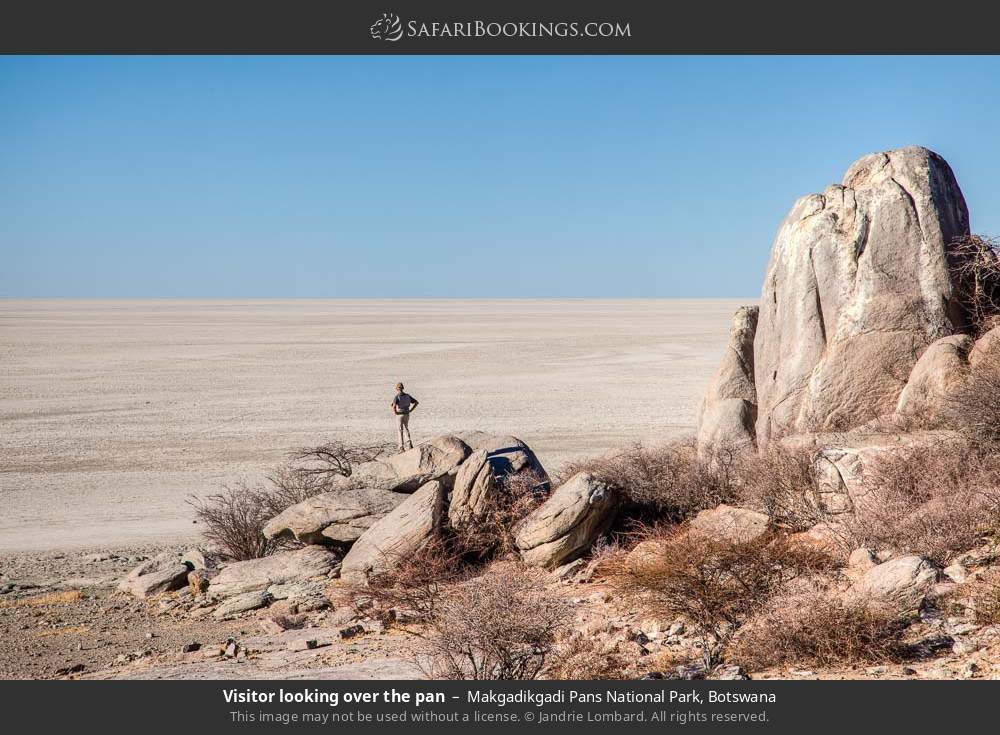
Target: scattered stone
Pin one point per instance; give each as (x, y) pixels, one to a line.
(964, 646)
(729, 523)
(729, 672)
(956, 573)
(689, 672)
(970, 670)
(191, 647)
(164, 573)
(566, 571)
(303, 644)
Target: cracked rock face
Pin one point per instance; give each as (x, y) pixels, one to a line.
(857, 288)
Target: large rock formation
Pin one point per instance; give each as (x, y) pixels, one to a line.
(397, 536)
(728, 412)
(566, 524)
(857, 287)
(337, 517)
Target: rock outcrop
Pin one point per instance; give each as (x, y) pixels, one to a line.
(400, 534)
(496, 459)
(307, 563)
(857, 287)
(338, 517)
(728, 412)
(568, 522)
(435, 459)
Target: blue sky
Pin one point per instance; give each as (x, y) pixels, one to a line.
(242, 177)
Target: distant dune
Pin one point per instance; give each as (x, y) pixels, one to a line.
(112, 412)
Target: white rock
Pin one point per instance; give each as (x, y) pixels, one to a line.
(857, 288)
(400, 534)
(568, 522)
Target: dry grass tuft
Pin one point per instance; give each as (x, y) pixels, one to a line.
(931, 501)
(817, 628)
(53, 598)
(659, 482)
(715, 584)
(500, 625)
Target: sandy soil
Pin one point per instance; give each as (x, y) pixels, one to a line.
(111, 413)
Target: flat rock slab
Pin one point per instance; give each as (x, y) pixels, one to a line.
(338, 517)
(302, 565)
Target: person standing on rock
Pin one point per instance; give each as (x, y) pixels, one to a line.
(403, 405)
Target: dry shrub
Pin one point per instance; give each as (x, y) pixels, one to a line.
(669, 481)
(973, 407)
(817, 628)
(985, 598)
(492, 534)
(581, 658)
(53, 598)
(234, 518)
(411, 590)
(233, 521)
(715, 584)
(975, 270)
(779, 482)
(335, 458)
(934, 501)
(501, 625)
